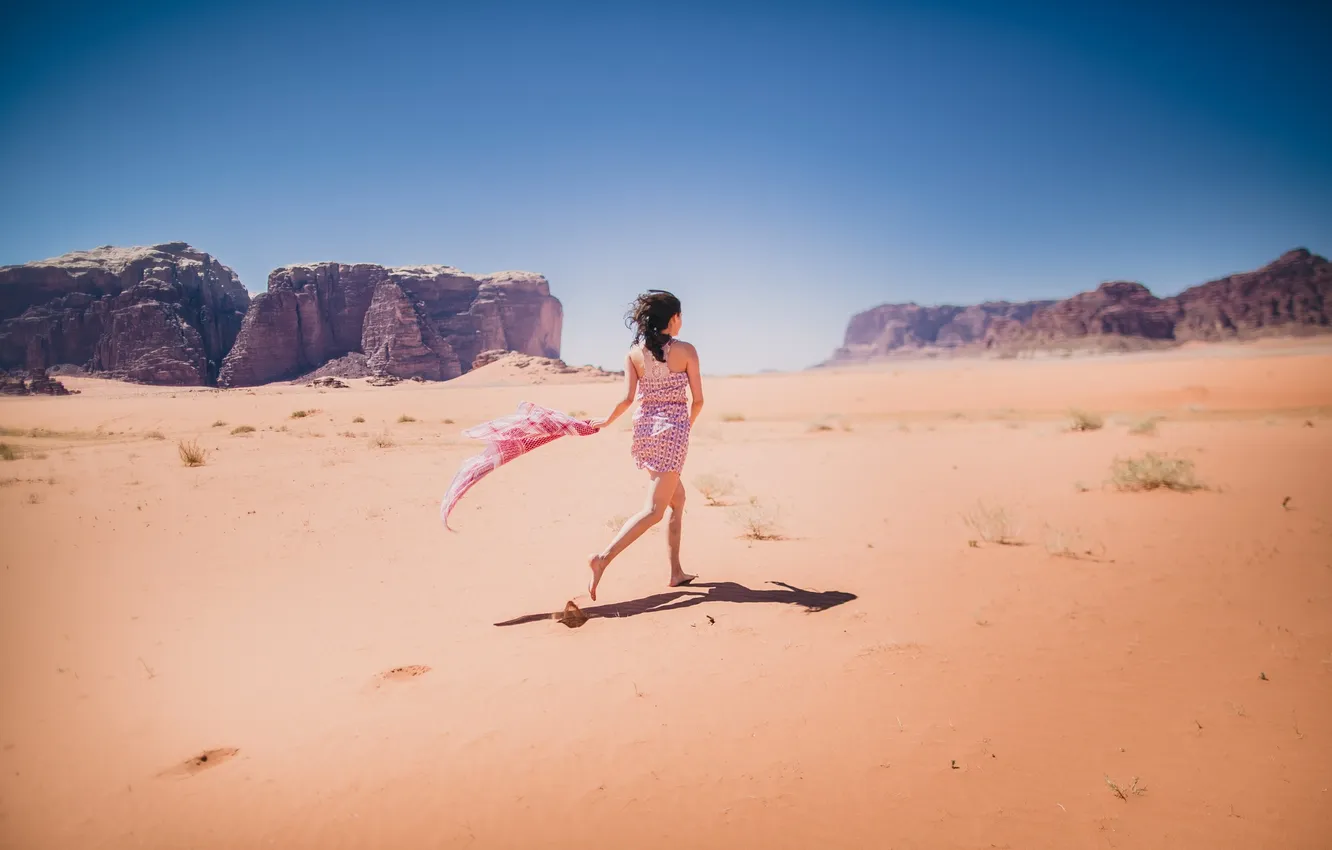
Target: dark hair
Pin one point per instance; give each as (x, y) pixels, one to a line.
(648, 317)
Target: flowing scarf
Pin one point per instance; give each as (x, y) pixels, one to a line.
(506, 438)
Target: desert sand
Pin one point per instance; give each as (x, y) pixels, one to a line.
(284, 647)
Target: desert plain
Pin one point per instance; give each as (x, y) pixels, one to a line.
(961, 634)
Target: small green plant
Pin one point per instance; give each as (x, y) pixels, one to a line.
(1084, 420)
(218, 423)
(733, 417)
(8, 452)
(1154, 472)
(191, 454)
(715, 489)
(358, 420)
(992, 524)
(243, 429)
(403, 419)
(1145, 427)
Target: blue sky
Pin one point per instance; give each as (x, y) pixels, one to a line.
(777, 165)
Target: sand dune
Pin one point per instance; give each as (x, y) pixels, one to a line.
(283, 647)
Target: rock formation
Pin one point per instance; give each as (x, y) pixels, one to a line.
(413, 321)
(1289, 296)
(165, 314)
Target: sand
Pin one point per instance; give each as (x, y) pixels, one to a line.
(283, 647)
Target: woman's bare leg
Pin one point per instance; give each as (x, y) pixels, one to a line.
(663, 488)
(673, 529)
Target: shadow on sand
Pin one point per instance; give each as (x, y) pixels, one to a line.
(694, 594)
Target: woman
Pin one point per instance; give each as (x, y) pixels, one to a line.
(656, 371)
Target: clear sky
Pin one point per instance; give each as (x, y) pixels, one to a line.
(777, 165)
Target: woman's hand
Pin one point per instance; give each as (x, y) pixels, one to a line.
(598, 423)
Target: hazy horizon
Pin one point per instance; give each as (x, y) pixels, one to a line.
(779, 166)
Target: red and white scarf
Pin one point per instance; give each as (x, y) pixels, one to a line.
(508, 437)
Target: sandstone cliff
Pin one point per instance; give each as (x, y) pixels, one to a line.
(165, 314)
(412, 321)
(1292, 295)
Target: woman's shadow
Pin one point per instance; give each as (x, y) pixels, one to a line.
(691, 595)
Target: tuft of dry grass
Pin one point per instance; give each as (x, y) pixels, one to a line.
(447, 421)
(992, 524)
(191, 454)
(1123, 793)
(154, 435)
(757, 522)
(382, 441)
(218, 423)
(1083, 420)
(8, 452)
(404, 419)
(358, 420)
(1145, 427)
(616, 522)
(301, 414)
(715, 489)
(243, 429)
(733, 417)
(820, 427)
(1154, 472)
(348, 434)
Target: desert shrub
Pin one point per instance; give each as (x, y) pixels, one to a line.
(992, 524)
(242, 429)
(1083, 420)
(1154, 472)
(191, 454)
(714, 488)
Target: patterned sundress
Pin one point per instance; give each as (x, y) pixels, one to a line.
(661, 423)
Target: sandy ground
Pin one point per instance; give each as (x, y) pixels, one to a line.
(871, 680)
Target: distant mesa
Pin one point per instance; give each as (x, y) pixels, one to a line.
(166, 314)
(408, 322)
(1288, 297)
(170, 314)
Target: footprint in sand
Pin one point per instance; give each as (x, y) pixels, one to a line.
(404, 674)
(201, 762)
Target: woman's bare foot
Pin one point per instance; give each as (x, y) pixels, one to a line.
(597, 564)
(681, 578)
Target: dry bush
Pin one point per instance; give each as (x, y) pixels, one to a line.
(1069, 544)
(8, 452)
(992, 524)
(301, 414)
(1084, 420)
(382, 441)
(348, 433)
(733, 417)
(243, 429)
(1145, 427)
(1123, 793)
(154, 435)
(191, 454)
(715, 489)
(404, 419)
(358, 420)
(447, 421)
(1154, 472)
(756, 522)
(616, 522)
(218, 423)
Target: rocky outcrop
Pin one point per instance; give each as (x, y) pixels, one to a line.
(166, 314)
(1288, 296)
(37, 382)
(414, 321)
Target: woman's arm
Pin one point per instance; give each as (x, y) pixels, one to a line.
(695, 385)
(630, 387)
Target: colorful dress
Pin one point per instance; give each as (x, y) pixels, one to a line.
(661, 423)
